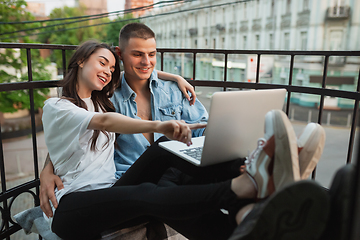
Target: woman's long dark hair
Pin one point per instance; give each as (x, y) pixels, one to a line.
(99, 98)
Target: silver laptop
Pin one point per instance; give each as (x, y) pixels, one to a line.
(235, 123)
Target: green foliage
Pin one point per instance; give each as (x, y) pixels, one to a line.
(113, 29)
(14, 11)
(75, 33)
(13, 62)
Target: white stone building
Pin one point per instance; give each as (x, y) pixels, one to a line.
(263, 25)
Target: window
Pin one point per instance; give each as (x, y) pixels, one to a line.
(233, 43)
(224, 14)
(223, 43)
(336, 40)
(206, 42)
(195, 44)
(287, 41)
(303, 41)
(271, 41)
(230, 76)
(244, 42)
(257, 8)
(288, 6)
(257, 41)
(305, 5)
(213, 17)
(245, 11)
(234, 14)
(272, 12)
(214, 43)
(338, 3)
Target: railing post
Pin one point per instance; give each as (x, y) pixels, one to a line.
(225, 69)
(353, 125)
(33, 125)
(63, 61)
(258, 68)
(290, 83)
(194, 67)
(4, 214)
(162, 61)
(323, 86)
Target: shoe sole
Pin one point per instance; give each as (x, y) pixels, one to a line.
(341, 197)
(314, 145)
(286, 160)
(300, 211)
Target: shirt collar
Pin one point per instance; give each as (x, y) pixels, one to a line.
(128, 92)
(154, 80)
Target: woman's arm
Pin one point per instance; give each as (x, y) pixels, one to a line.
(184, 86)
(118, 123)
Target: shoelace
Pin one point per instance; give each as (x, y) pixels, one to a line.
(260, 144)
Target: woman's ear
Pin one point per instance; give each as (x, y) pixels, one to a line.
(81, 63)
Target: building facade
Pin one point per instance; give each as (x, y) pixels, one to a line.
(93, 6)
(264, 25)
(130, 4)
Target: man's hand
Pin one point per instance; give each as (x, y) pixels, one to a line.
(179, 130)
(48, 182)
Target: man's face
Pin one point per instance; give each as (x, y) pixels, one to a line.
(139, 58)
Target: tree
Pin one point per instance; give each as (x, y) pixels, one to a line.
(13, 62)
(73, 33)
(112, 30)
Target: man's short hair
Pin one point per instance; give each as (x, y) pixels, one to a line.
(134, 30)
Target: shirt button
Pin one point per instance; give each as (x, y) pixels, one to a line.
(173, 112)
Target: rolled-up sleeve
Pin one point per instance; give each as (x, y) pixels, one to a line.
(194, 114)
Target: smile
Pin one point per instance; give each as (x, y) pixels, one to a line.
(102, 79)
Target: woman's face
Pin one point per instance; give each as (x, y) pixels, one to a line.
(95, 72)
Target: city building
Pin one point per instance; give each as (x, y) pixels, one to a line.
(307, 25)
(93, 6)
(37, 9)
(130, 4)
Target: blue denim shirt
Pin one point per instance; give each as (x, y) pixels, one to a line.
(167, 103)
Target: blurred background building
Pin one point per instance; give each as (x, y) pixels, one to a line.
(307, 25)
(129, 4)
(93, 6)
(37, 9)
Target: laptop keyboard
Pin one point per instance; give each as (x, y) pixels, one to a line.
(193, 152)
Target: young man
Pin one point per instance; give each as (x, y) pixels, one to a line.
(144, 96)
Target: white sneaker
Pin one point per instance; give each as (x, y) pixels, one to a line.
(310, 147)
(274, 163)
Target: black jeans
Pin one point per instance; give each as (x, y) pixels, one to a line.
(136, 197)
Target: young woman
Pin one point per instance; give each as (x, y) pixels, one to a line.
(79, 132)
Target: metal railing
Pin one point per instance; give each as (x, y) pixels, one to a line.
(7, 196)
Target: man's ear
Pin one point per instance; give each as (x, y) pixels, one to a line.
(118, 52)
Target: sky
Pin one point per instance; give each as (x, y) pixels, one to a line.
(113, 5)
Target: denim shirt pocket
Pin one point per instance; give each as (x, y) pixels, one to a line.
(170, 113)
